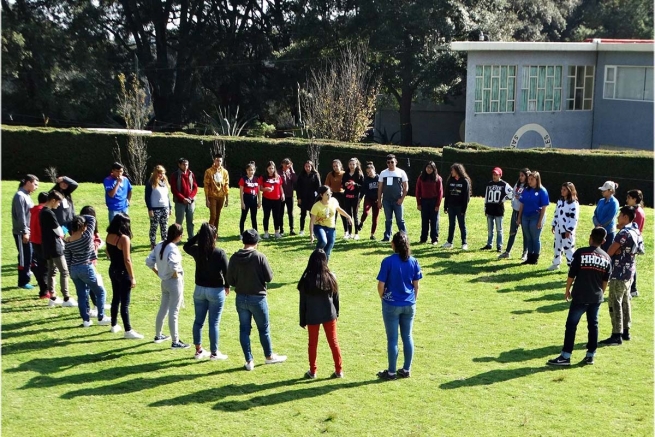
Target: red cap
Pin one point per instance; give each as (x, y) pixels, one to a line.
(498, 171)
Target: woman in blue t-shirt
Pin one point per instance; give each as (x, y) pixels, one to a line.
(398, 289)
(532, 215)
(606, 211)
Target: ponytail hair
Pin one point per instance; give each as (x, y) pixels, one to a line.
(401, 245)
(174, 231)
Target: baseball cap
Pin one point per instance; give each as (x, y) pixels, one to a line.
(608, 185)
(498, 171)
(250, 237)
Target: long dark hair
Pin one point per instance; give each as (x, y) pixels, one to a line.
(317, 278)
(526, 172)
(461, 172)
(573, 194)
(311, 172)
(275, 173)
(358, 168)
(338, 161)
(425, 176)
(401, 245)
(319, 193)
(77, 223)
(174, 231)
(89, 210)
(206, 242)
(120, 225)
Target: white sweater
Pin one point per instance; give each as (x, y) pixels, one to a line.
(167, 265)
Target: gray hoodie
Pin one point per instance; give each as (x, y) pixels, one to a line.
(248, 272)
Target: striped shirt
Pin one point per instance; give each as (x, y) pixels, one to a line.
(82, 250)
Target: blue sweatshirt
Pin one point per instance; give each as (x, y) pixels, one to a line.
(605, 213)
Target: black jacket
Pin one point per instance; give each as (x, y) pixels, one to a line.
(317, 306)
(307, 186)
(211, 273)
(66, 210)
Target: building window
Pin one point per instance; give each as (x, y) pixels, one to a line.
(581, 88)
(495, 88)
(541, 89)
(628, 83)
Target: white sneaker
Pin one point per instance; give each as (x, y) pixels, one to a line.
(69, 303)
(107, 306)
(133, 335)
(553, 267)
(201, 354)
(346, 236)
(218, 356)
(265, 237)
(301, 233)
(278, 235)
(275, 358)
(250, 365)
(87, 324)
(55, 302)
(116, 328)
(465, 246)
(106, 320)
(447, 246)
(93, 313)
(356, 237)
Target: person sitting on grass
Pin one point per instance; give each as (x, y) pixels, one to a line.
(319, 305)
(589, 272)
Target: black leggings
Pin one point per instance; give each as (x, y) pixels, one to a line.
(271, 207)
(288, 202)
(251, 206)
(351, 205)
(305, 209)
(341, 199)
(122, 289)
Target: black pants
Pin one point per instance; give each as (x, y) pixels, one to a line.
(271, 207)
(251, 206)
(24, 260)
(351, 205)
(288, 202)
(341, 199)
(305, 208)
(122, 289)
(40, 268)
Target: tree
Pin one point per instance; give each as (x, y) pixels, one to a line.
(621, 19)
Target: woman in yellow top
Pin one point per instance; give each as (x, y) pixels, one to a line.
(333, 180)
(216, 185)
(323, 219)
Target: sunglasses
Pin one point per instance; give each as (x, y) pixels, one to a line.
(390, 161)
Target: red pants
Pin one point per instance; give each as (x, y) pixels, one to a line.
(368, 205)
(331, 334)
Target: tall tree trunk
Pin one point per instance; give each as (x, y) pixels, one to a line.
(406, 115)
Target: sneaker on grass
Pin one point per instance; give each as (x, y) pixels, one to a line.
(54, 301)
(310, 375)
(201, 354)
(553, 267)
(132, 335)
(250, 365)
(27, 286)
(275, 358)
(106, 320)
(486, 247)
(589, 361)
(559, 361)
(179, 344)
(447, 245)
(70, 303)
(614, 340)
(217, 356)
(116, 328)
(93, 313)
(402, 373)
(465, 246)
(503, 255)
(336, 375)
(161, 338)
(386, 376)
(86, 323)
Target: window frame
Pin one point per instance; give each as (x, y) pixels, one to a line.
(615, 68)
(506, 89)
(525, 87)
(582, 87)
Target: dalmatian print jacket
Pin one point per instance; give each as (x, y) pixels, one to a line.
(566, 216)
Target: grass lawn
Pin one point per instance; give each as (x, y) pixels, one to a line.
(483, 332)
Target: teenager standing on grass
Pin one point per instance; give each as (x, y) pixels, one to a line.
(216, 185)
(118, 191)
(270, 187)
(307, 186)
(398, 281)
(636, 199)
(52, 239)
(429, 192)
(97, 244)
(185, 188)
(250, 198)
(627, 244)
(392, 189)
(589, 272)
(211, 288)
(514, 224)
(606, 210)
(21, 205)
(121, 273)
(370, 194)
(496, 192)
(458, 194)
(532, 215)
(351, 183)
(166, 261)
(65, 211)
(564, 224)
(158, 203)
(333, 180)
(288, 182)
(319, 305)
(39, 263)
(323, 221)
(248, 272)
(80, 254)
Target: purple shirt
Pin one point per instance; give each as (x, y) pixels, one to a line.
(288, 181)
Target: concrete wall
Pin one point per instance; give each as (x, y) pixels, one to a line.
(621, 123)
(567, 129)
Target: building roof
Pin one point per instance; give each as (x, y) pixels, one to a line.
(595, 45)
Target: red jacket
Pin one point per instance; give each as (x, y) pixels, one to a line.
(183, 185)
(35, 224)
(429, 190)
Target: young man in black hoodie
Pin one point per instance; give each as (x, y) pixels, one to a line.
(248, 272)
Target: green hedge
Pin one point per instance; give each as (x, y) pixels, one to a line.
(86, 156)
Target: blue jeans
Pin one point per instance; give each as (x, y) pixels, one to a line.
(498, 222)
(325, 238)
(206, 299)
(390, 207)
(84, 278)
(576, 310)
(112, 214)
(403, 317)
(455, 212)
(429, 219)
(531, 234)
(608, 240)
(249, 307)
